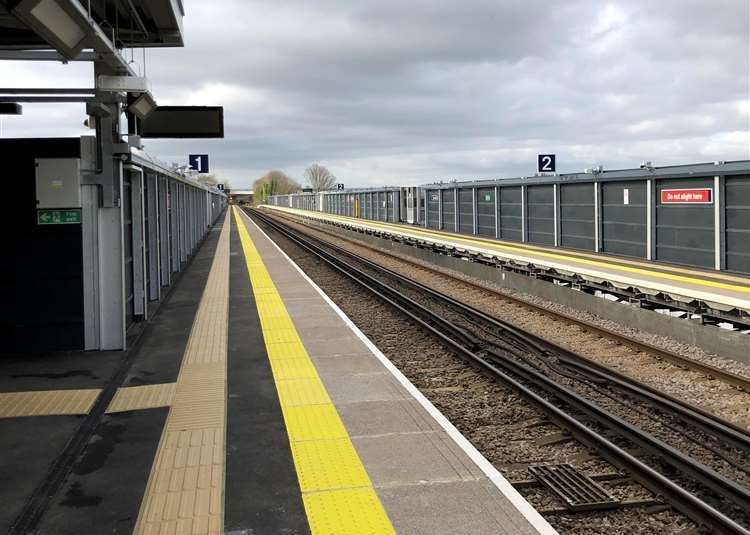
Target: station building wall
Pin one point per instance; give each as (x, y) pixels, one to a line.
(41, 266)
(54, 271)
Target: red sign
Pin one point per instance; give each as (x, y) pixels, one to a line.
(687, 196)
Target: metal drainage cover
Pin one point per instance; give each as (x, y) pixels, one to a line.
(578, 491)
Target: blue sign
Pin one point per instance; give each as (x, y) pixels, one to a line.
(199, 162)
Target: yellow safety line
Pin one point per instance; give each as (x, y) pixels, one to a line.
(336, 490)
(529, 252)
(185, 490)
(47, 402)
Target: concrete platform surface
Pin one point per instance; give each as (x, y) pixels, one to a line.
(429, 478)
(250, 404)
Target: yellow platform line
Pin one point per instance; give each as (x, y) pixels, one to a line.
(528, 252)
(185, 490)
(47, 402)
(336, 491)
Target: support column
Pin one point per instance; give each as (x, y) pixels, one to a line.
(524, 225)
(720, 224)
(456, 211)
(103, 172)
(139, 236)
(474, 210)
(497, 212)
(597, 216)
(650, 220)
(163, 232)
(556, 212)
(90, 232)
(174, 221)
(182, 213)
(440, 209)
(153, 232)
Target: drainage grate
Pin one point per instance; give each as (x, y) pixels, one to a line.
(578, 491)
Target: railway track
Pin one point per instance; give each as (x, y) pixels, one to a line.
(518, 358)
(672, 357)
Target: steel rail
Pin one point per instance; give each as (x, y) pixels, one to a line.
(687, 412)
(718, 483)
(715, 372)
(683, 500)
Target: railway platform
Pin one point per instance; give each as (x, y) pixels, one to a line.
(721, 290)
(250, 404)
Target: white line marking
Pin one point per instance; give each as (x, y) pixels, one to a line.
(536, 520)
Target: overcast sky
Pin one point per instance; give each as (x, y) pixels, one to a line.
(390, 92)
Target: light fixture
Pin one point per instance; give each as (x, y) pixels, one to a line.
(64, 29)
(122, 84)
(10, 108)
(143, 105)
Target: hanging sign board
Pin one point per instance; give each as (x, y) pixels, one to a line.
(184, 122)
(546, 163)
(687, 196)
(199, 162)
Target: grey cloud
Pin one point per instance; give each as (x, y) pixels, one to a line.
(388, 91)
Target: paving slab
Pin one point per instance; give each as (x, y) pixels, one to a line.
(346, 364)
(400, 458)
(378, 386)
(346, 346)
(464, 507)
(369, 418)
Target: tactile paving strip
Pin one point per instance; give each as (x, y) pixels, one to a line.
(185, 491)
(336, 490)
(47, 402)
(348, 511)
(133, 398)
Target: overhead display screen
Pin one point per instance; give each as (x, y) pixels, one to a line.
(184, 122)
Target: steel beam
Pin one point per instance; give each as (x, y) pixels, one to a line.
(48, 99)
(48, 91)
(43, 55)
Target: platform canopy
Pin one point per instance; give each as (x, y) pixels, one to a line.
(71, 27)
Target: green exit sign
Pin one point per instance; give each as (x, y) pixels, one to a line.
(58, 217)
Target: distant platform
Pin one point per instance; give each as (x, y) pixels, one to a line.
(721, 290)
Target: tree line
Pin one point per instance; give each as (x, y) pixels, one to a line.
(317, 178)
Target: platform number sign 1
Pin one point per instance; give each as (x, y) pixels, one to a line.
(339, 186)
(199, 162)
(545, 163)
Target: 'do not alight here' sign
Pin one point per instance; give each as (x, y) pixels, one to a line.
(687, 196)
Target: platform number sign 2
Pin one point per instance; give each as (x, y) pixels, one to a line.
(199, 162)
(545, 163)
